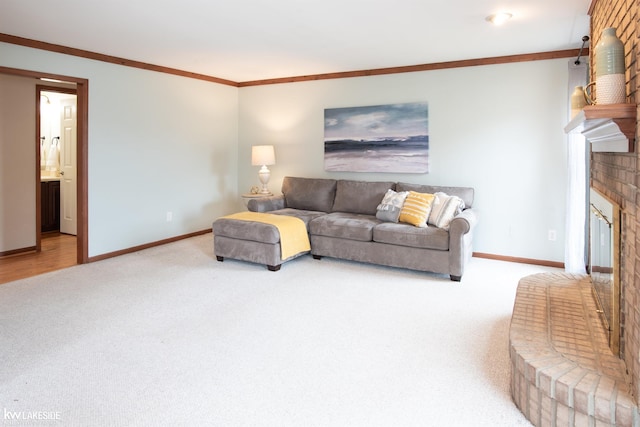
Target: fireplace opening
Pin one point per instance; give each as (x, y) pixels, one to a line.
(604, 264)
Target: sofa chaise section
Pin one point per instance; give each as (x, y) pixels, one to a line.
(342, 223)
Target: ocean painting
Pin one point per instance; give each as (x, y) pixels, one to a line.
(381, 138)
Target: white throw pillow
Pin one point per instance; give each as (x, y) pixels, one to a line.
(444, 209)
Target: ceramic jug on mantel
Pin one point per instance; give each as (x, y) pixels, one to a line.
(578, 100)
(609, 66)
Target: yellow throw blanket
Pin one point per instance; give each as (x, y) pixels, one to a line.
(293, 231)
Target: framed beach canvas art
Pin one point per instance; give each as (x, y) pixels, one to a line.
(380, 138)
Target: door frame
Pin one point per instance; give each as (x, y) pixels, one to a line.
(39, 89)
(82, 97)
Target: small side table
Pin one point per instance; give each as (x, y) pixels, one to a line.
(248, 196)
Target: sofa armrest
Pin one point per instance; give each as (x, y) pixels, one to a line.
(463, 223)
(460, 242)
(266, 204)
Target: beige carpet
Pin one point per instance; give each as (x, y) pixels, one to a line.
(169, 336)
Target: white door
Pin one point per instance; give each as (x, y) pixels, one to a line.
(68, 186)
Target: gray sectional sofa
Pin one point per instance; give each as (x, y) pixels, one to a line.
(340, 216)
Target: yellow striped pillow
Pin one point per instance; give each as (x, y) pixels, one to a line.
(416, 209)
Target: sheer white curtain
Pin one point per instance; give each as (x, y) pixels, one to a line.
(577, 182)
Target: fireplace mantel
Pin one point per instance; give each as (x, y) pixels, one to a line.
(609, 128)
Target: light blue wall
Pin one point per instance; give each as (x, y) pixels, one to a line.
(157, 143)
(160, 143)
(498, 128)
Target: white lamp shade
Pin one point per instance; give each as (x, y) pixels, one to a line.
(263, 155)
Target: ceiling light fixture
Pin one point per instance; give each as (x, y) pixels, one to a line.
(499, 18)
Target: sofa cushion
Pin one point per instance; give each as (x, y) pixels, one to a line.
(305, 215)
(416, 209)
(360, 197)
(408, 235)
(243, 230)
(313, 194)
(390, 206)
(465, 193)
(344, 225)
(445, 207)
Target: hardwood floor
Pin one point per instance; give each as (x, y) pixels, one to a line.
(58, 251)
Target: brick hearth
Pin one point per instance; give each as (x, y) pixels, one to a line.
(563, 372)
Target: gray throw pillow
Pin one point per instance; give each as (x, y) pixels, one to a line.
(391, 205)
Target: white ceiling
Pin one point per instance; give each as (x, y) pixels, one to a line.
(245, 40)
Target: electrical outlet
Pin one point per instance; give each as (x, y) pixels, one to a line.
(169, 216)
(552, 235)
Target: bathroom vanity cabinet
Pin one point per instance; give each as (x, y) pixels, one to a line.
(50, 205)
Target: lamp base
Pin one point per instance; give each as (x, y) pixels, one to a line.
(264, 176)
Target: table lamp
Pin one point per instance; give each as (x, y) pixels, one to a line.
(263, 155)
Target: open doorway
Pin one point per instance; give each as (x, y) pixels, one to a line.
(57, 138)
(80, 87)
(56, 160)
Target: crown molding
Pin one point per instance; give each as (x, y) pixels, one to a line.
(423, 67)
(36, 44)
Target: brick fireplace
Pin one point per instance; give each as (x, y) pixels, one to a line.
(564, 371)
(617, 176)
